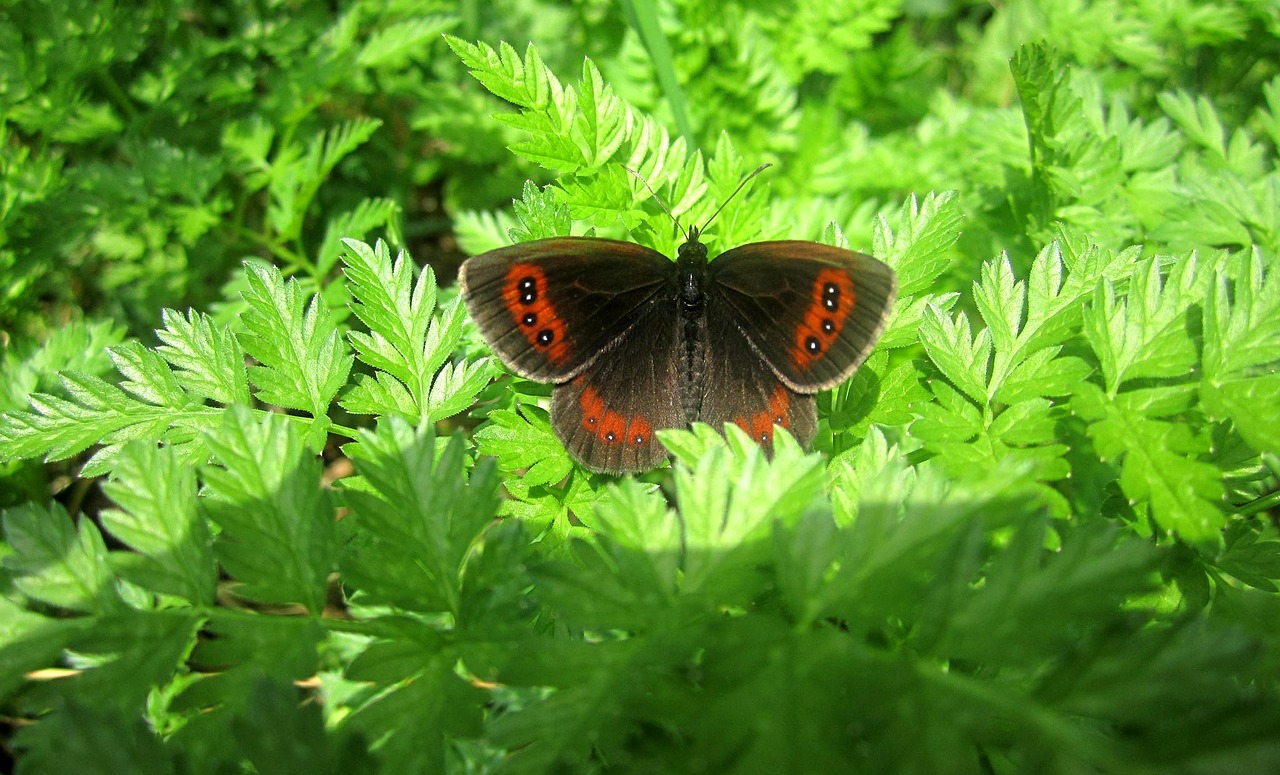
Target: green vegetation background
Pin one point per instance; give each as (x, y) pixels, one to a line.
(1038, 531)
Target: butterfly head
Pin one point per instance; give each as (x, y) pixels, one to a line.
(692, 249)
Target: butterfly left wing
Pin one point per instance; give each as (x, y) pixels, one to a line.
(549, 308)
(813, 312)
(606, 415)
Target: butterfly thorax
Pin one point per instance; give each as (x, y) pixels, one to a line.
(691, 266)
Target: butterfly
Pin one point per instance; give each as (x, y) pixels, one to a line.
(635, 342)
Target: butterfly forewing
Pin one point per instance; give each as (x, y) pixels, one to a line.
(742, 390)
(812, 311)
(550, 307)
(607, 415)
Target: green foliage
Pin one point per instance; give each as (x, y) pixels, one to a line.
(1037, 529)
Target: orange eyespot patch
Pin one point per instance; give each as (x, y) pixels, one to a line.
(609, 426)
(760, 425)
(829, 307)
(524, 292)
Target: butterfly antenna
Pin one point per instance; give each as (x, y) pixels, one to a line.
(741, 185)
(657, 199)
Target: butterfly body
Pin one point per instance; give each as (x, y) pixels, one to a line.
(635, 342)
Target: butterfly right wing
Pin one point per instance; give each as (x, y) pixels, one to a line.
(549, 308)
(606, 415)
(741, 389)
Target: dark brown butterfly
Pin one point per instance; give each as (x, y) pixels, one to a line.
(635, 342)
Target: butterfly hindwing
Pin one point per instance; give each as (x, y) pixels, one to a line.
(812, 311)
(741, 389)
(606, 415)
(550, 307)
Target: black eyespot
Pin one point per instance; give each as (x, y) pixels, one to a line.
(813, 345)
(528, 290)
(779, 420)
(831, 296)
(610, 436)
(591, 421)
(828, 326)
(639, 439)
(529, 319)
(764, 436)
(545, 337)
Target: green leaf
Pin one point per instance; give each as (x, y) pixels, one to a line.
(208, 359)
(950, 418)
(421, 707)
(398, 44)
(1252, 404)
(1241, 319)
(919, 248)
(368, 215)
(603, 120)
(1058, 284)
(525, 83)
(79, 346)
(524, 440)
(278, 733)
(880, 392)
(963, 357)
(31, 641)
(172, 549)
(303, 360)
(731, 494)
(1035, 601)
(1076, 169)
(90, 739)
(1043, 374)
(113, 671)
(403, 344)
(611, 583)
(418, 515)
(1145, 335)
(96, 412)
(277, 531)
(296, 175)
(57, 562)
(542, 214)
(1159, 465)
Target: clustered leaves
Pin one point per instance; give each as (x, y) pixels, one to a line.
(1037, 531)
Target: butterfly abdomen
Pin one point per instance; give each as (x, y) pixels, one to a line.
(693, 369)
